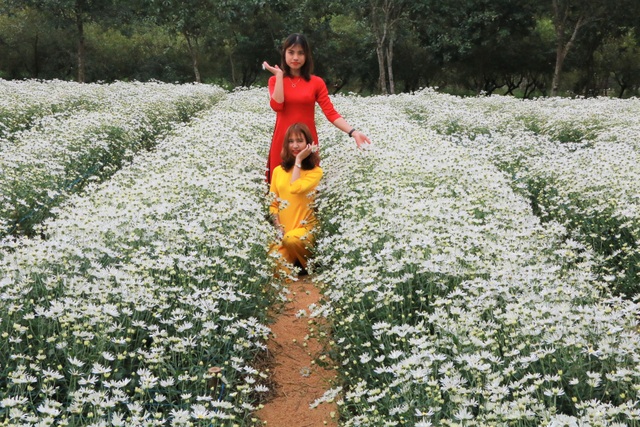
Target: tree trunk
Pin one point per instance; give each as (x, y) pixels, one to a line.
(384, 16)
(382, 78)
(392, 86)
(229, 49)
(193, 51)
(233, 69)
(528, 90)
(80, 26)
(338, 86)
(379, 22)
(555, 83)
(562, 48)
(36, 62)
(622, 91)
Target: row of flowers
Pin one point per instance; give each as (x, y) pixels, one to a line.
(577, 165)
(23, 102)
(451, 302)
(145, 303)
(561, 119)
(55, 157)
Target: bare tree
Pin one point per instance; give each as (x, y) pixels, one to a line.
(385, 16)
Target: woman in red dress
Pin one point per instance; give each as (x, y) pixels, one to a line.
(294, 92)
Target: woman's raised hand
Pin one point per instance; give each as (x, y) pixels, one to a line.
(275, 70)
(310, 148)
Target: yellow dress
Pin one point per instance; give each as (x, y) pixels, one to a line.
(294, 206)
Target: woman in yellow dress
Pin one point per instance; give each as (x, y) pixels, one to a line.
(293, 188)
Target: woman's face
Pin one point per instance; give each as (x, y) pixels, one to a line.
(295, 58)
(297, 143)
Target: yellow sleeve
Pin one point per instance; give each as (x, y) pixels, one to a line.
(273, 190)
(308, 182)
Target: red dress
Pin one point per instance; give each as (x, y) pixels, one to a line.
(298, 107)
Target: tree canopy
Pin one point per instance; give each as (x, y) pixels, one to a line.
(524, 47)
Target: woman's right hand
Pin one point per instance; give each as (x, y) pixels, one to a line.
(278, 89)
(275, 70)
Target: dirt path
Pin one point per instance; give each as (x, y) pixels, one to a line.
(298, 381)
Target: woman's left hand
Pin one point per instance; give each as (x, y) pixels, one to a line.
(305, 153)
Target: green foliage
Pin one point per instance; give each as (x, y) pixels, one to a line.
(32, 47)
(461, 46)
(346, 57)
(544, 28)
(142, 52)
(620, 56)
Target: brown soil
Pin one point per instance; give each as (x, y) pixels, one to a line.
(299, 381)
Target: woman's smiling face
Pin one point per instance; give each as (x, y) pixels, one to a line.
(297, 143)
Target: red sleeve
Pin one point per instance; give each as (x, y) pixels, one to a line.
(308, 182)
(276, 106)
(322, 97)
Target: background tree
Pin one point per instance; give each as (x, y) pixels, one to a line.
(140, 51)
(620, 57)
(589, 22)
(461, 46)
(190, 19)
(613, 23)
(75, 13)
(482, 43)
(25, 49)
(226, 27)
(383, 17)
(341, 43)
(248, 35)
(347, 57)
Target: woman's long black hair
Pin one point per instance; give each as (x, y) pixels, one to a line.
(307, 68)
